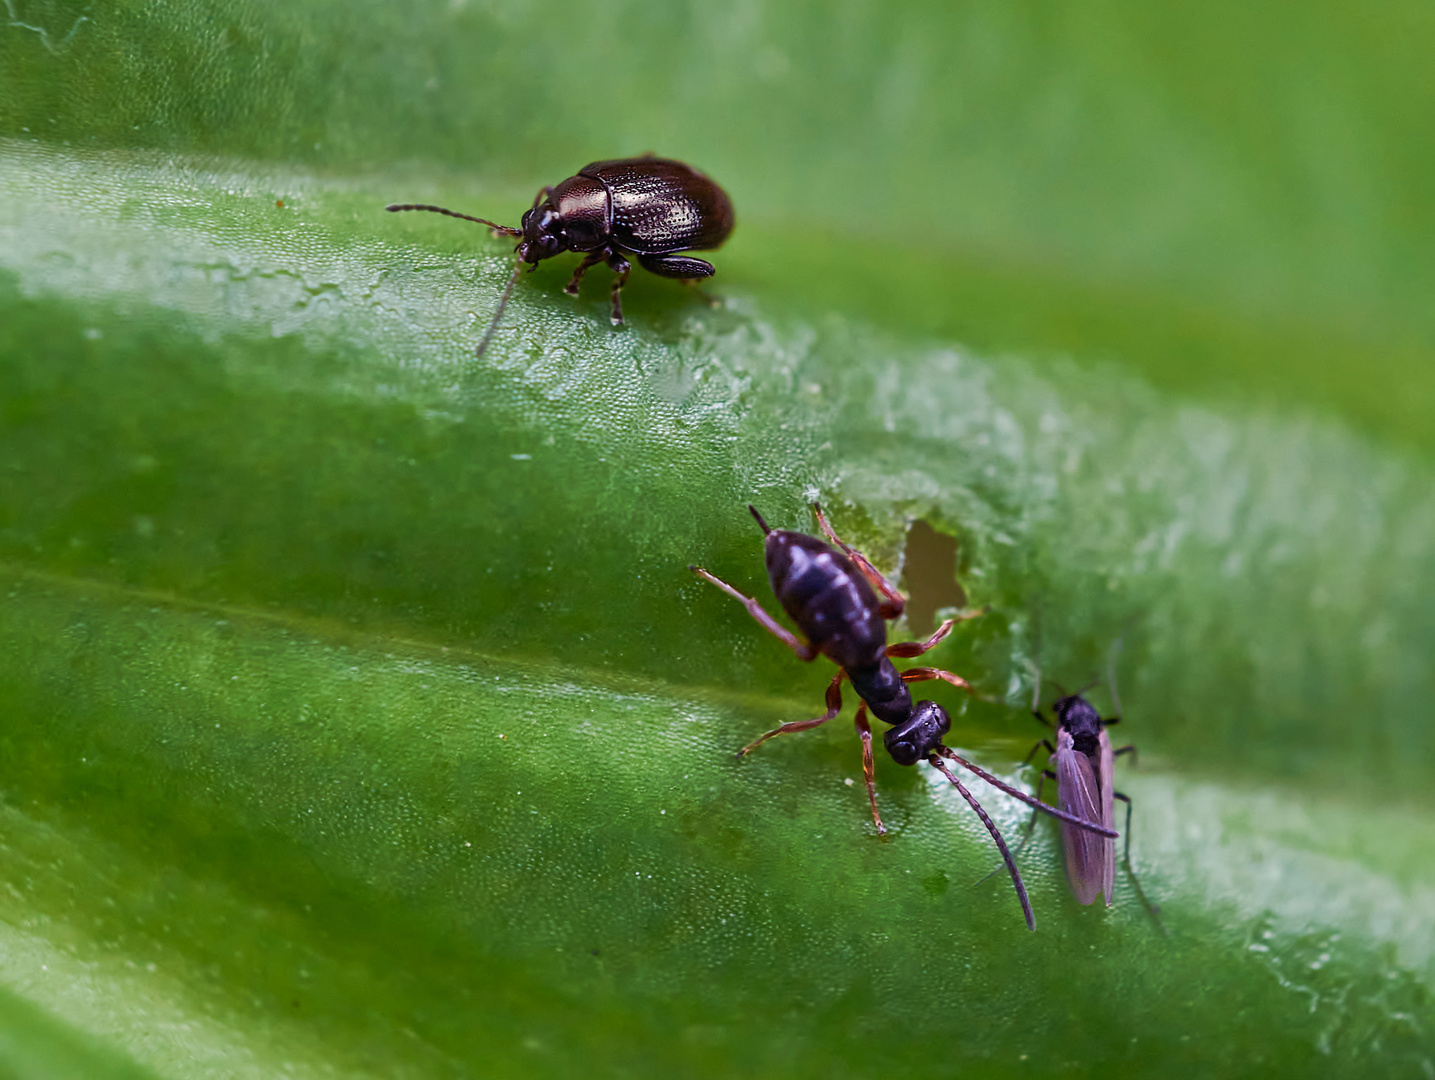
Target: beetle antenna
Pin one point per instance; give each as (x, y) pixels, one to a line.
(506, 230)
(997, 836)
(765, 528)
(502, 303)
(1046, 808)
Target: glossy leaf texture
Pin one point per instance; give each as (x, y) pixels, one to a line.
(359, 715)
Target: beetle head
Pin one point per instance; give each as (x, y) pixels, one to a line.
(920, 735)
(542, 234)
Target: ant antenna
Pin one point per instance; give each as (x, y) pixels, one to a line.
(997, 836)
(755, 514)
(506, 230)
(1062, 815)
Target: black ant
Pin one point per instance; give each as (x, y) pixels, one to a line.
(829, 594)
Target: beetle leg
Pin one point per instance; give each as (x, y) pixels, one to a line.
(684, 267)
(869, 767)
(834, 706)
(621, 267)
(804, 650)
(893, 602)
(543, 193)
(707, 298)
(592, 259)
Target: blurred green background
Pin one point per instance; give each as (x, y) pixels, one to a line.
(360, 716)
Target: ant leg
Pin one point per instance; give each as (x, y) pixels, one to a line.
(923, 674)
(834, 706)
(803, 650)
(621, 267)
(908, 649)
(869, 767)
(894, 603)
(997, 836)
(592, 259)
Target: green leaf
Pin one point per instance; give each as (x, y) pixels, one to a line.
(361, 715)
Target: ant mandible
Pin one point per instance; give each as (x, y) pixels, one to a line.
(831, 593)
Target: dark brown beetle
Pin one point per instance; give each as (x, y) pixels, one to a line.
(648, 207)
(831, 595)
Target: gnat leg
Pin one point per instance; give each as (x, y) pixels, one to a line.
(834, 706)
(1030, 826)
(620, 267)
(869, 767)
(894, 603)
(592, 259)
(1130, 749)
(1032, 752)
(1126, 852)
(803, 650)
(1152, 910)
(996, 836)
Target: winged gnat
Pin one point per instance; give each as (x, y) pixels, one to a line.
(1084, 789)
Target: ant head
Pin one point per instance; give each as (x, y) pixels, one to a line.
(920, 735)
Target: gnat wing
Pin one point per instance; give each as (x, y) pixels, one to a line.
(1086, 853)
(1108, 814)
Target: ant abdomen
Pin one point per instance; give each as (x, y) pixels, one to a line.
(826, 595)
